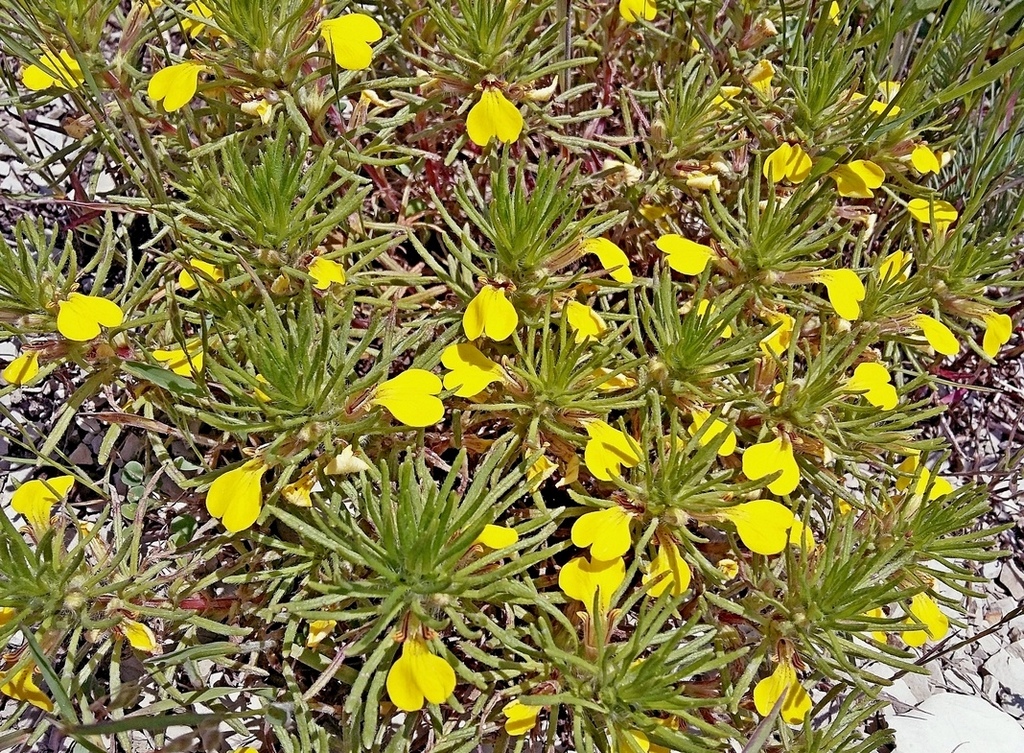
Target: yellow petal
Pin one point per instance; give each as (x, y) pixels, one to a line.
(873, 379)
(236, 497)
(490, 313)
(187, 281)
(411, 397)
(61, 71)
(497, 537)
(194, 28)
(300, 493)
(587, 323)
(700, 417)
(606, 532)
(611, 256)
(493, 116)
(896, 267)
(539, 471)
(763, 525)
(788, 161)
(139, 635)
(471, 371)
(878, 614)
(783, 681)
(858, 179)
(349, 38)
(685, 256)
(768, 458)
(728, 567)
(24, 368)
(175, 85)
(924, 160)
(35, 499)
(936, 624)
(583, 579)
(608, 450)
(833, 12)
(419, 675)
(613, 383)
(778, 341)
(998, 329)
(721, 100)
(21, 687)
(326, 272)
(938, 335)
(845, 291)
(922, 210)
(80, 316)
(671, 568)
(631, 10)
(760, 78)
(345, 462)
(801, 535)
(519, 718)
(182, 362)
(319, 630)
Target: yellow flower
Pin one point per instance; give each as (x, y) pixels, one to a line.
(583, 579)
(908, 468)
(139, 635)
(6, 615)
(349, 38)
(183, 362)
(614, 383)
(924, 160)
(788, 162)
(760, 78)
(606, 532)
(497, 537)
(300, 492)
(923, 210)
(887, 91)
(631, 10)
(611, 256)
(858, 179)
(721, 100)
(728, 567)
(705, 307)
(763, 525)
(80, 316)
(783, 681)
(22, 369)
(194, 28)
(685, 256)
(411, 397)
(418, 675)
(700, 417)
(345, 462)
(938, 335)
(319, 630)
(471, 371)
(236, 497)
(188, 281)
(769, 458)
(490, 313)
(326, 272)
(608, 450)
(519, 718)
(20, 686)
(877, 614)
(778, 341)
(60, 71)
(873, 379)
(493, 116)
(896, 267)
(998, 329)
(845, 291)
(668, 568)
(587, 323)
(539, 472)
(927, 612)
(34, 499)
(175, 85)
(833, 12)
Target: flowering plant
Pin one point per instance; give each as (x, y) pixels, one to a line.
(498, 374)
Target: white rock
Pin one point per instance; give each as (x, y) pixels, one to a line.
(952, 723)
(1012, 579)
(1008, 669)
